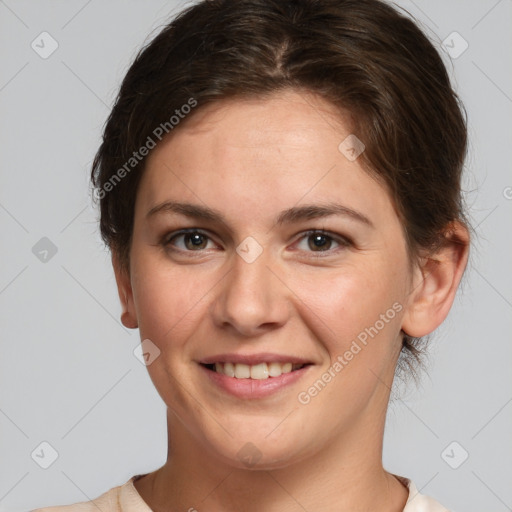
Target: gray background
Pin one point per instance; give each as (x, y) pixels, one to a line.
(68, 375)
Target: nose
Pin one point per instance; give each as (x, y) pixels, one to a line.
(252, 299)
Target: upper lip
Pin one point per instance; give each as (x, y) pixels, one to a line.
(252, 359)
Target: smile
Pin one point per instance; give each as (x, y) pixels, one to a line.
(258, 371)
(254, 376)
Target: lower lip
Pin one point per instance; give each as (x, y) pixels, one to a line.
(254, 388)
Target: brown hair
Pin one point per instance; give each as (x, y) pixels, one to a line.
(363, 56)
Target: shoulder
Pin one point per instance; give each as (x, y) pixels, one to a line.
(123, 498)
(107, 502)
(418, 502)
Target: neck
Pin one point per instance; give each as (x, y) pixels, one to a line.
(344, 475)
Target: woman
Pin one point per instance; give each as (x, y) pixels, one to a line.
(279, 184)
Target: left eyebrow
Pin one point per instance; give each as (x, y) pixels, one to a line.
(315, 211)
(289, 216)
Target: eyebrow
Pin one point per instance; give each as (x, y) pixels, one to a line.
(289, 216)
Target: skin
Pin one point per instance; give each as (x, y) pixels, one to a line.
(250, 160)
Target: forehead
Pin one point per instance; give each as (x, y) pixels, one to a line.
(286, 118)
(248, 156)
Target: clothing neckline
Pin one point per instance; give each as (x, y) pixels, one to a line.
(130, 500)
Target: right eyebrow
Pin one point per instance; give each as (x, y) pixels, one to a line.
(194, 211)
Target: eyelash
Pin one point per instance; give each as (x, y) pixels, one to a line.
(342, 241)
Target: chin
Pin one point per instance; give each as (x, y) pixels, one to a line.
(258, 451)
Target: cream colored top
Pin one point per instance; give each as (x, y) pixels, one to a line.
(125, 498)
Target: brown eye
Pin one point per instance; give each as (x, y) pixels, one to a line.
(189, 241)
(319, 242)
(195, 241)
(322, 242)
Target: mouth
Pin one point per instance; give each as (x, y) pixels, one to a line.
(253, 376)
(260, 371)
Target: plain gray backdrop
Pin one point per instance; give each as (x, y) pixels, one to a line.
(68, 374)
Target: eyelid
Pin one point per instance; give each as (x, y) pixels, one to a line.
(184, 231)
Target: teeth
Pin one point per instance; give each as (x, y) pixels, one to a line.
(274, 369)
(242, 371)
(229, 369)
(257, 371)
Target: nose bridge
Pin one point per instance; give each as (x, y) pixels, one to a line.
(250, 297)
(250, 269)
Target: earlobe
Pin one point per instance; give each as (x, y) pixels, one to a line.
(435, 283)
(128, 320)
(124, 288)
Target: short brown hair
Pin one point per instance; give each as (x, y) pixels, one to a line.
(361, 55)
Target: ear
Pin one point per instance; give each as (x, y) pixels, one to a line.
(124, 288)
(435, 282)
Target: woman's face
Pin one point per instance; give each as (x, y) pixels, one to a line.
(255, 284)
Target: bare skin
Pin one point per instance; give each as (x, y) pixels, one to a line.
(197, 297)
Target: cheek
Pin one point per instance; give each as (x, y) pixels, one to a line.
(349, 300)
(170, 302)
(356, 316)
(168, 299)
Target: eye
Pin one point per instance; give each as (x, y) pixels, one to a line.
(195, 240)
(188, 240)
(321, 241)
